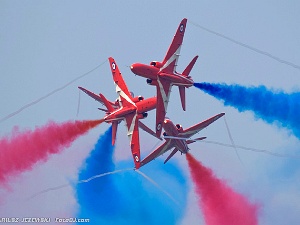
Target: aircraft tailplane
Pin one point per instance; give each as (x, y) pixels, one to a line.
(194, 140)
(188, 69)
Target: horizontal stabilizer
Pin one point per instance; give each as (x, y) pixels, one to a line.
(188, 69)
(194, 140)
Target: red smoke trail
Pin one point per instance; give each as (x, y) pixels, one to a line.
(22, 150)
(220, 204)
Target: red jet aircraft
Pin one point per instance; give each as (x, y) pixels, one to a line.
(127, 108)
(163, 75)
(177, 138)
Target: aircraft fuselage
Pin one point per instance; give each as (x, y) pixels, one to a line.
(171, 130)
(139, 107)
(153, 73)
(146, 105)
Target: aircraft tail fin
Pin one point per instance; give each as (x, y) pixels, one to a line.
(171, 155)
(188, 69)
(106, 103)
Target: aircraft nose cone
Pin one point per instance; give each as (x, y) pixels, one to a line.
(134, 68)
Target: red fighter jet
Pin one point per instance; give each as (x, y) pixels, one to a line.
(127, 108)
(163, 75)
(178, 138)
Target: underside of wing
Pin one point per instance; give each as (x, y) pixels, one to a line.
(121, 88)
(96, 97)
(163, 94)
(172, 55)
(157, 152)
(133, 135)
(91, 94)
(148, 130)
(198, 127)
(171, 155)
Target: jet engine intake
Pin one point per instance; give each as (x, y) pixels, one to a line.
(151, 82)
(142, 115)
(138, 99)
(179, 127)
(156, 64)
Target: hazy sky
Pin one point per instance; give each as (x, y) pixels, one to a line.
(46, 44)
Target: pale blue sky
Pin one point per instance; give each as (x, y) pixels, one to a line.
(45, 44)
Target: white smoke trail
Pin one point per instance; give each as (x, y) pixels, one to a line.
(252, 149)
(48, 95)
(159, 187)
(231, 140)
(247, 46)
(79, 182)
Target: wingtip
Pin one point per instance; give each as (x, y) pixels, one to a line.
(137, 166)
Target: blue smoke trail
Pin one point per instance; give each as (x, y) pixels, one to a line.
(272, 106)
(128, 198)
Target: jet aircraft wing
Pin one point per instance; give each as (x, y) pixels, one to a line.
(132, 124)
(157, 152)
(121, 88)
(171, 58)
(96, 97)
(187, 133)
(163, 90)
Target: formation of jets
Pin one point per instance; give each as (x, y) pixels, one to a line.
(131, 109)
